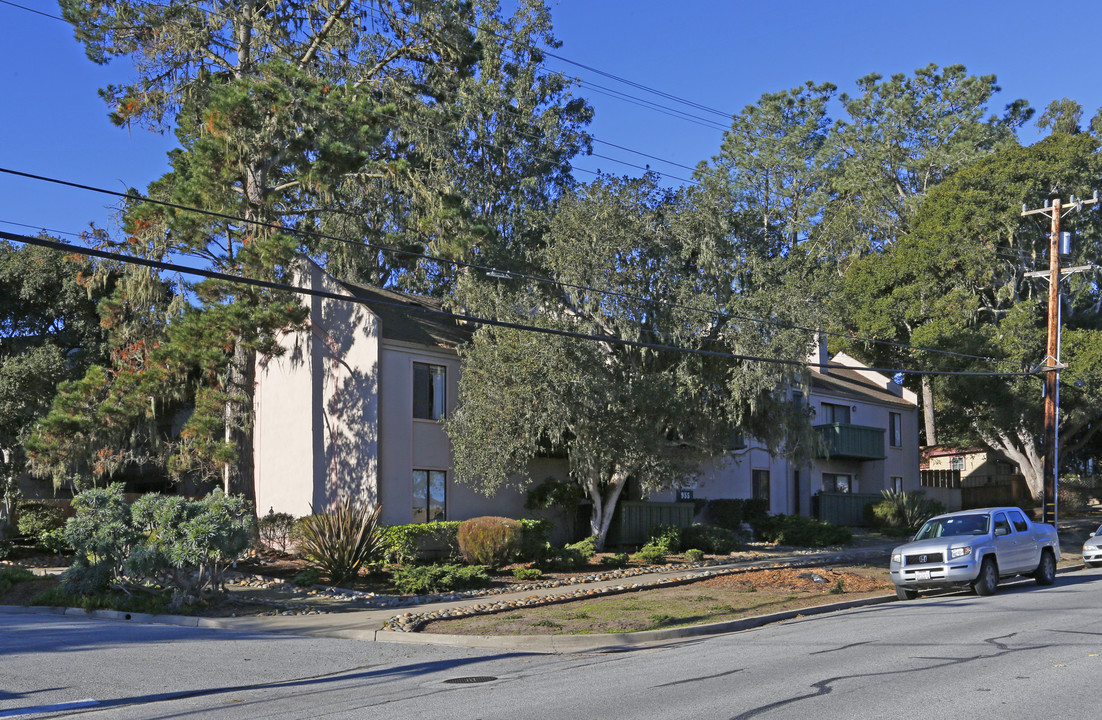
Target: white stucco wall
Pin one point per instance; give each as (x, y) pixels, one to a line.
(316, 413)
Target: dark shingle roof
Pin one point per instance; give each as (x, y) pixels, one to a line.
(402, 317)
(850, 382)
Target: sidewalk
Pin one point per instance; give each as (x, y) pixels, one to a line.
(395, 624)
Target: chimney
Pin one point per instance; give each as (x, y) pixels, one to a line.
(819, 355)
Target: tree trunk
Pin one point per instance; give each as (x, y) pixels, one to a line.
(600, 518)
(928, 410)
(1022, 450)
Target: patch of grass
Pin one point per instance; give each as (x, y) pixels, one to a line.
(11, 575)
(547, 623)
(150, 604)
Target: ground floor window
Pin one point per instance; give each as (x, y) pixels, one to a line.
(760, 482)
(428, 495)
(837, 483)
(897, 483)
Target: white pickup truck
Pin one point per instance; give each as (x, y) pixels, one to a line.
(974, 548)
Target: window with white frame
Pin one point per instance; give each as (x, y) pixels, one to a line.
(429, 495)
(897, 483)
(429, 382)
(833, 482)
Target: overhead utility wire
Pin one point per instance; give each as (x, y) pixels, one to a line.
(490, 271)
(270, 285)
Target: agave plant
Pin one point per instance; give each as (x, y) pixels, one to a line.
(342, 541)
(909, 510)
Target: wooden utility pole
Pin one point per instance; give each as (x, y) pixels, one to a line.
(1051, 467)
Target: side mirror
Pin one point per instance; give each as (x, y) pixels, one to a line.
(1000, 530)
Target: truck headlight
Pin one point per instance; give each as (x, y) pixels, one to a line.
(955, 553)
(897, 558)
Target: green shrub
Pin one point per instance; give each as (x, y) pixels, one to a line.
(341, 542)
(5, 548)
(307, 577)
(711, 539)
(803, 531)
(527, 573)
(587, 547)
(102, 533)
(153, 604)
(11, 575)
(667, 537)
(902, 510)
(406, 544)
(694, 555)
(534, 537)
(566, 559)
(651, 554)
(618, 560)
(489, 541)
(732, 513)
(564, 496)
(424, 579)
(38, 518)
(277, 530)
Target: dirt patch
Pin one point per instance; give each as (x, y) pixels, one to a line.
(22, 593)
(730, 597)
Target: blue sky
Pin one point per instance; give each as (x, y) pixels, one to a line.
(721, 54)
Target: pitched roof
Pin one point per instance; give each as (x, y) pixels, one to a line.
(402, 317)
(849, 382)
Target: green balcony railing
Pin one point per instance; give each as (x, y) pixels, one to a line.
(854, 442)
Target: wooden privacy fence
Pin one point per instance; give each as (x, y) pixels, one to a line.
(843, 508)
(633, 519)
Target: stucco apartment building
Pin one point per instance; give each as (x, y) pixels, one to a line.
(353, 407)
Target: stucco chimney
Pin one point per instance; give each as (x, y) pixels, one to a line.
(819, 355)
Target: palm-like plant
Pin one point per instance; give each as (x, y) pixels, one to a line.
(341, 542)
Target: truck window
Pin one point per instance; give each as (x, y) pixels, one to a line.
(1020, 523)
(1001, 524)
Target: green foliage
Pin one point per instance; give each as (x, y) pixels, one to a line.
(586, 547)
(694, 555)
(187, 545)
(179, 544)
(667, 537)
(103, 534)
(651, 555)
(5, 548)
(38, 518)
(342, 541)
(906, 511)
(731, 513)
(527, 573)
(141, 602)
(424, 579)
(276, 530)
(307, 577)
(617, 560)
(534, 539)
(490, 541)
(11, 575)
(801, 531)
(405, 544)
(711, 539)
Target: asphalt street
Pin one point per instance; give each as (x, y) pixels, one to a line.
(1026, 651)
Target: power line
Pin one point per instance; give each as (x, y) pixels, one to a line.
(270, 285)
(491, 271)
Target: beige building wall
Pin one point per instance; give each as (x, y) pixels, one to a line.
(316, 408)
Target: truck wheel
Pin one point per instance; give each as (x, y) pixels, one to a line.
(1046, 570)
(988, 579)
(904, 594)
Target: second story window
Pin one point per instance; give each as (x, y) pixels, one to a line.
(835, 414)
(428, 391)
(895, 429)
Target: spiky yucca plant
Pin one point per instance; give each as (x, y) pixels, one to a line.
(907, 510)
(341, 542)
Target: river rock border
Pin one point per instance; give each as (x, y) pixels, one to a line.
(412, 622)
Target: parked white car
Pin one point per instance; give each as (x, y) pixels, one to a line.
(975, 548)
(1092, 549)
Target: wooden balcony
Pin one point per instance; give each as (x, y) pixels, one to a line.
(851, 442)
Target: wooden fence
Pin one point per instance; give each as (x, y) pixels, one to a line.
(843, 508)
